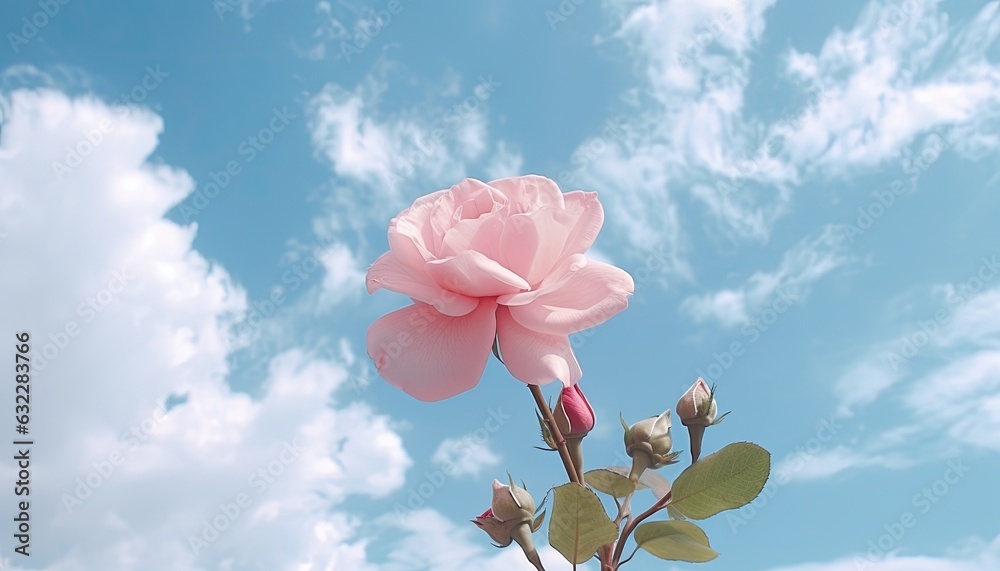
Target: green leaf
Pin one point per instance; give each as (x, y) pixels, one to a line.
(725, 480)
(675, 541)
(649, 479)
(610, 482)
(578, 525)
(674, 513)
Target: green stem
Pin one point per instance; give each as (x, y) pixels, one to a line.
(571, 470)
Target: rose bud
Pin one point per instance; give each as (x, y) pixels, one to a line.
(575, 418)
(573, 413)
(511, 502)
(510, 519)
(698, 409)
(648, 442)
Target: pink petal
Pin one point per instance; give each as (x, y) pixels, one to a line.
(481, 235)
(535, 358)
(591, 296)
(533, 242)
(529, 192)
(429, 355)
(559, 275)
(414, 222)
(588, 215)
(389, 273)
(473, 274)
(467, 200)
(474, 198)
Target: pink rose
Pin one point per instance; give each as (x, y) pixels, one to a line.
(503, 260)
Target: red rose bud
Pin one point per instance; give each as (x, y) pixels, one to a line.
(573, 413)
(698, 409)
(575, 418)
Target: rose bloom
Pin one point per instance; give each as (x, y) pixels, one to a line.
(481, 261)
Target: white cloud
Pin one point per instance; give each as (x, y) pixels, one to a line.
(384, 160)
(873, 94)
(329, 31)
(822, 465)
(344, 277)
(945, 376)
(434, 543)
(505, 162)
(892, 78)
(116, 346)
(985, 558)
(464, 456)
(688, 131)
(789, 283)
(865, 380)
(962, 398)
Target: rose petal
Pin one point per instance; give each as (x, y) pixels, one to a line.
(533, 242)
(591, 296)
(429, 355)
(533, 357)
(481, 235)
(473, 274)
(389, 273)
(588, 215)
(529, 192)
(561, 274)
(414, 222)
(474, 198)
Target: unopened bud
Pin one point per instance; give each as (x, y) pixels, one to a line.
(697, 409)
(573, 414)
(511, 502)
(509, 519)
(648, 442)
(575, 418)
(698, 406)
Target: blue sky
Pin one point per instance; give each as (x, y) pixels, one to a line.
(806, 195)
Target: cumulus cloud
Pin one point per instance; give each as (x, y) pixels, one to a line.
(465, 456)
(125, 315)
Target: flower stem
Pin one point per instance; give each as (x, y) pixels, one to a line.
(632, 524)
(571, 471)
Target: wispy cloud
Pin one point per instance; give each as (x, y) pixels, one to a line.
(802, 265)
